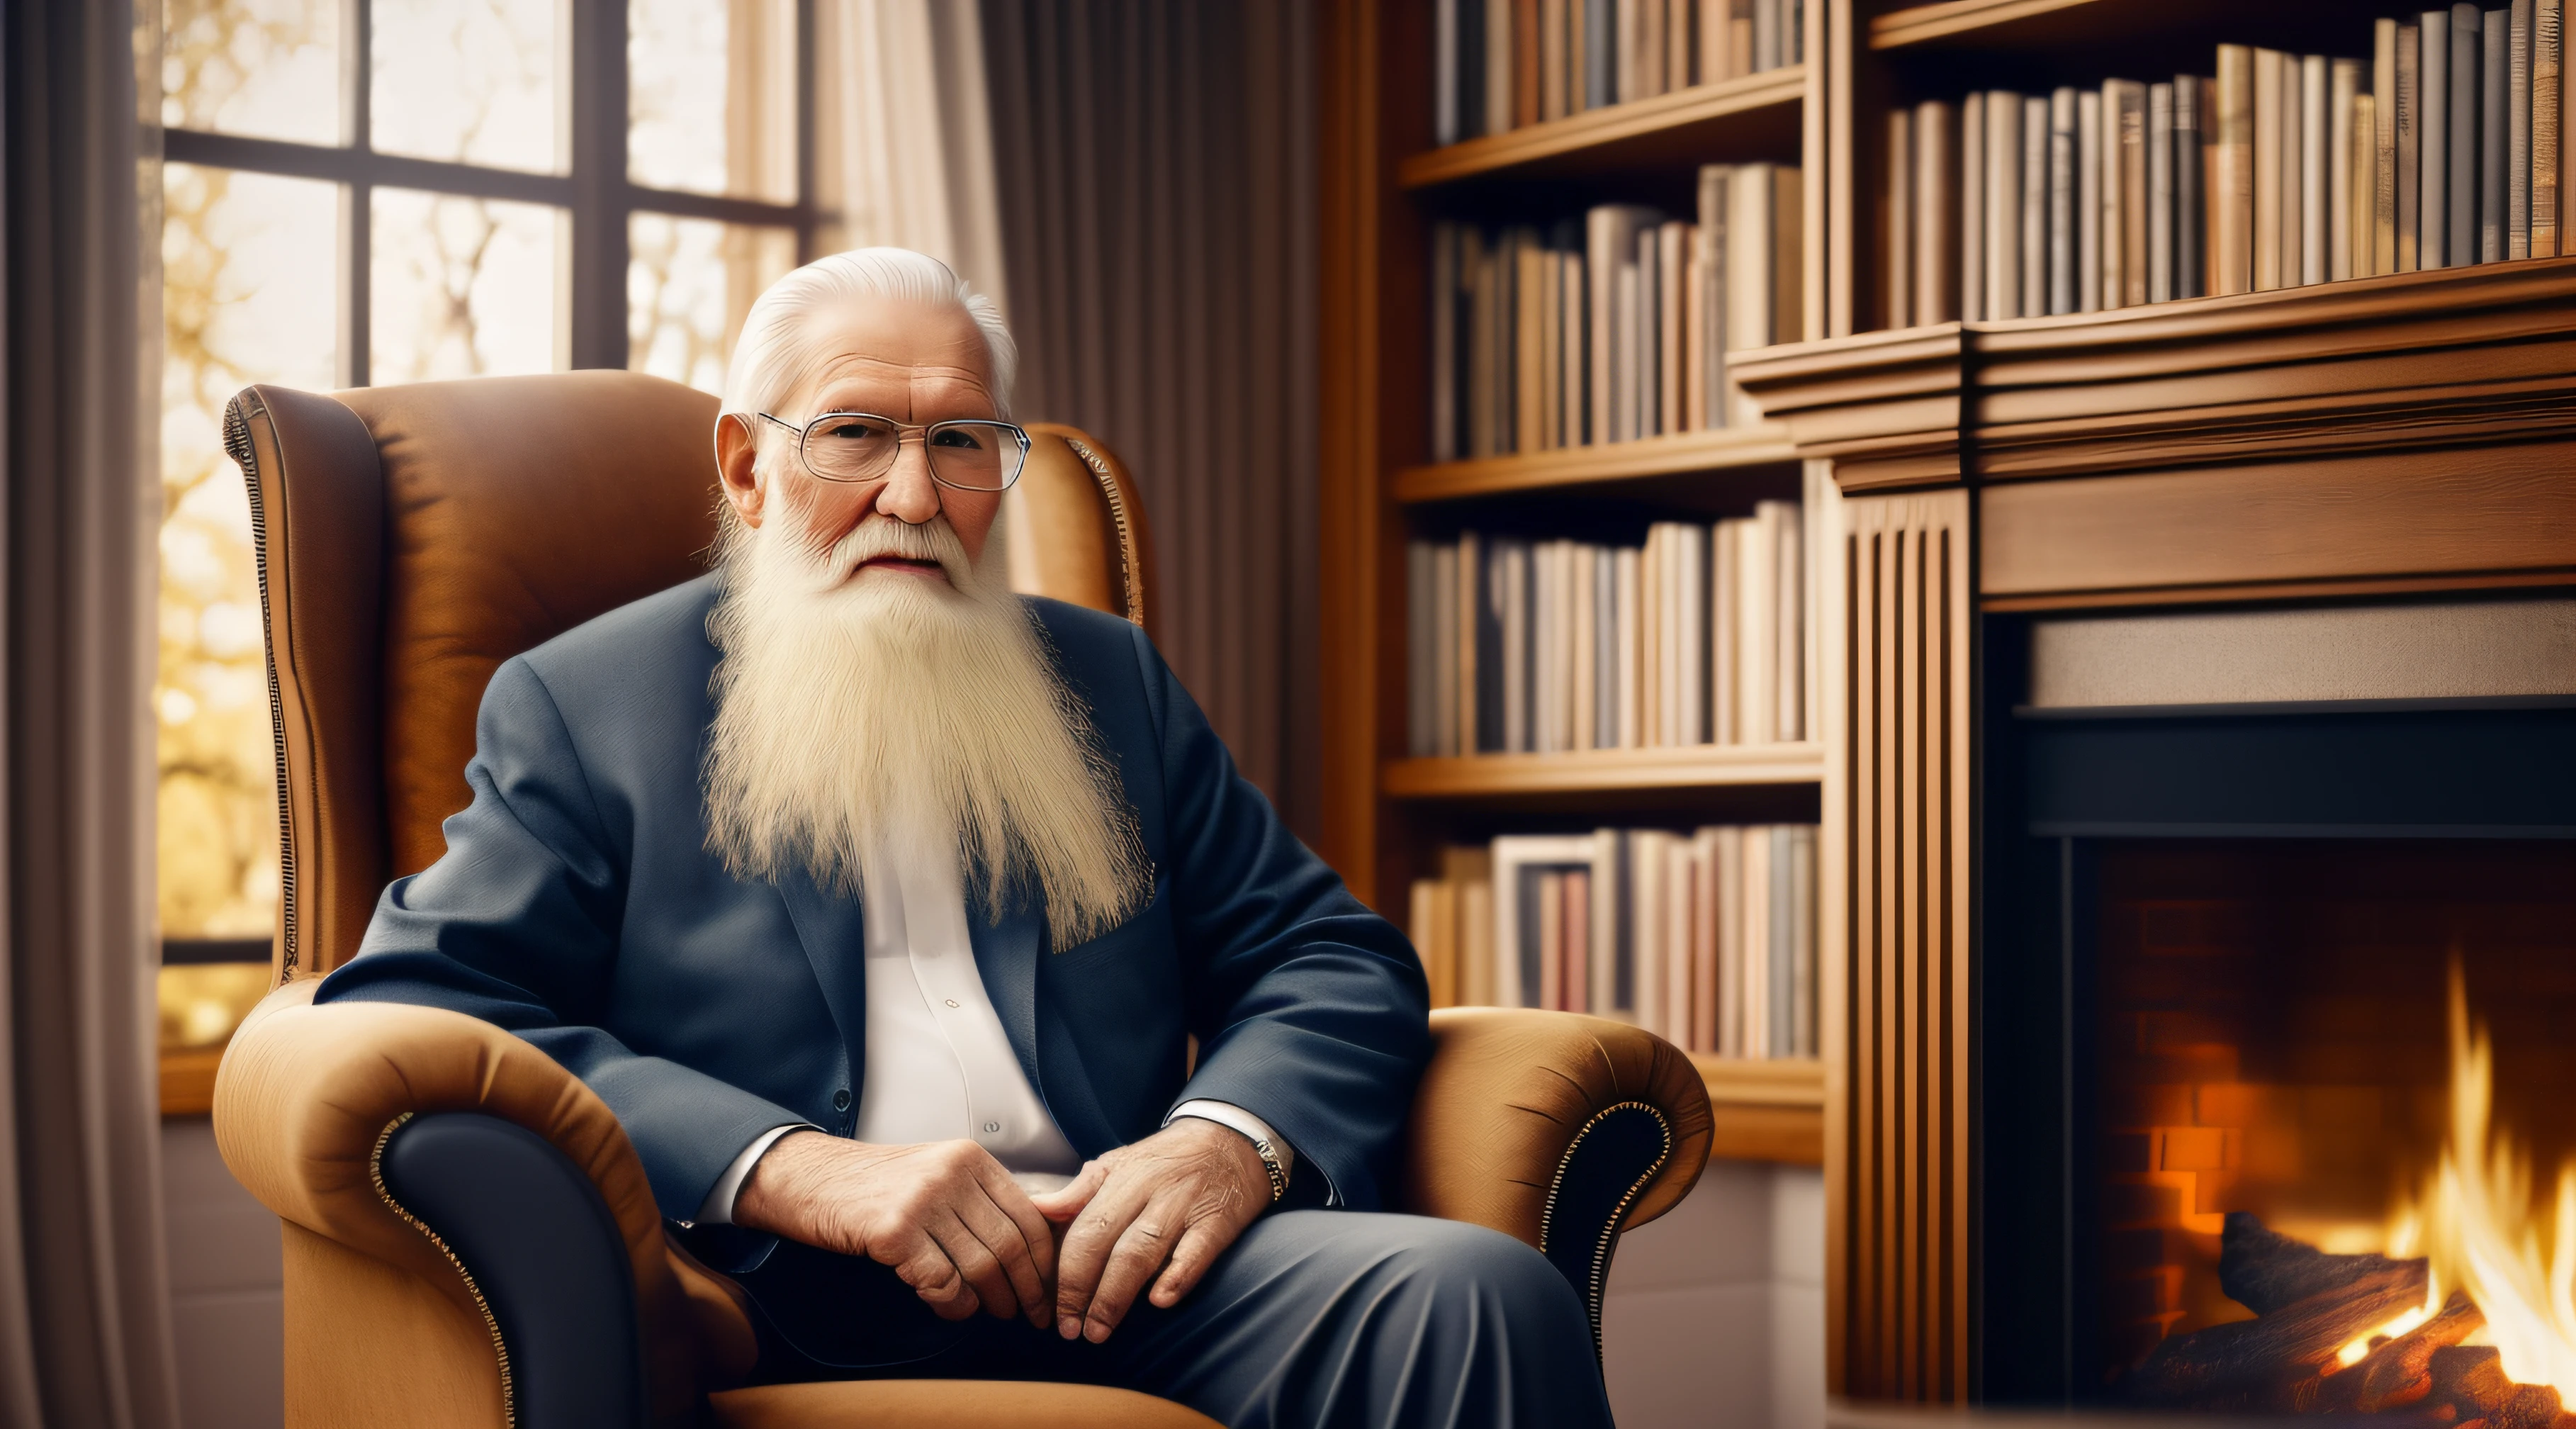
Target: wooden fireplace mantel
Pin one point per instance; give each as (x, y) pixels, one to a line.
(2405, 432)
(2413, 432)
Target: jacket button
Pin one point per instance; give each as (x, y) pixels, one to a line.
(841, 1099)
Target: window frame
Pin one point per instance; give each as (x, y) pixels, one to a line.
(595, 193)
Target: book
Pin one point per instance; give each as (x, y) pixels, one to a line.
(2194, 148)
(2548, 35)
(2124, 193)
(2460, 203)
(1552, 90)
(2315, 142)
(1528, 337)
(1727, 846)
(1445, 128)
(1610, 243)
(2433, 142)
(1649, 874)
(1973, 212)
(1605, 648)
(1611, 960)
(1583, 585)
(1900, 213)
(1802, 975)
(1498, 66)
(2409, 168)
(2004, 149)
(1445, 651)
(1525, 62)
(2160, 193)
(2494, 85)
(2035, 136)
(1682, 892)
(1600, 53)
(1936, 223)
(1511, 583)
(2362, 182)
(2381, 247)
(2087, 237)
(2270, 114)
(1705, 901)
(1470, 871)
(2517, 165)
(1421, 640)
(1715, 183)
(1630, 577)
(1789, 636)
(2235, 181)
(1672, 259)
(1753, 934)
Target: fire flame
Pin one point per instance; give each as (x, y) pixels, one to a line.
(2475, 1218)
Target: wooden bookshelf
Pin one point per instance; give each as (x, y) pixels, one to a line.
(1604, 771)
(1766, 1110)
(1683, 454)
(1953, 19)
(188, 1081)
(1753, 115)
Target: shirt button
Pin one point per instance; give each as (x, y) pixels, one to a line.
(992, 1126)
(952, 1002)
(841, 1099)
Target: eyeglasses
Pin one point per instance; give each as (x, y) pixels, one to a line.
(969, 454)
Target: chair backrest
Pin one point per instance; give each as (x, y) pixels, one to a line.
(409, 539)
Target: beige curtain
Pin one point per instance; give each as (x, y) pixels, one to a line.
(903, 133)
(84, 1320)
(1155, 161)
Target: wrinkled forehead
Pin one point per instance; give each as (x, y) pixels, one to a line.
(902, 359)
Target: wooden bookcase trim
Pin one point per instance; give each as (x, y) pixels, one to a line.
(1766, 1111)
(1921, 24)
(1604, 771)
(1618, 136)
(1679, 455)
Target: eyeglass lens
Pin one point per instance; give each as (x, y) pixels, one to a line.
(974, 455)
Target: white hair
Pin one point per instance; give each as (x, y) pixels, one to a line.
(779, 350)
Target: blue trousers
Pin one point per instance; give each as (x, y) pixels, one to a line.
(1311, 1318)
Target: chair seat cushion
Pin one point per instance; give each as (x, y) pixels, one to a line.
(947, 1404)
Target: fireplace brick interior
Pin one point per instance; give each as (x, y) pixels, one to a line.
(2272, 1040)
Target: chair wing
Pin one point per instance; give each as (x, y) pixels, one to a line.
(411, 538)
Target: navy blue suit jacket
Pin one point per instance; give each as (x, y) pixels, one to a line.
(578, 906)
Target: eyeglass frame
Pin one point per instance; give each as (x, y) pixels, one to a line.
(904, 431)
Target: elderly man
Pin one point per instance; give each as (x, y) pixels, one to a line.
(879, 904)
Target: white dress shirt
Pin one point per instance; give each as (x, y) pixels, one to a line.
(938, 1065)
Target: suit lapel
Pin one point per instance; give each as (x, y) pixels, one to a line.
(1006, 957)
(834, 930)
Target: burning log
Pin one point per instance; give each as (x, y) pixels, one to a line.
(2399, 1372)
(2271, 1363)
(2471, 1378)
(2264, 1270)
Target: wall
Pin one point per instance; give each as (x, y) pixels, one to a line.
(1715, 1314)
(226, 1307)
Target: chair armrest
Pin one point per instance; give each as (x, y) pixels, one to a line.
(1558, 1129)
(309, 1098)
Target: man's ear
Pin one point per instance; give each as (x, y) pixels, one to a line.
(737, 449)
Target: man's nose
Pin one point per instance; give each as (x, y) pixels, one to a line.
(909, 495)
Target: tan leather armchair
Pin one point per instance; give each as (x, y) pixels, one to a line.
(469, 1239)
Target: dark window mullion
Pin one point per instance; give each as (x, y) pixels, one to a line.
(600, 193)
(357, 198)
(808, 238)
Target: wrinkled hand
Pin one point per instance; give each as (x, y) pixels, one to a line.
(944, 1216)
(1172, 1203)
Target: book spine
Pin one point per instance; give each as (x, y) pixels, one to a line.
(1498, 66)
(1526, 60)
(2035, 129)
(1444, 342)
(2409, 125)
(1714, 180)
(2268, 116)
(1650, 48)
(2495, 85)
(2517, 118)
(1492, 597)
(2433, 142)
(1420, 739)
(1710, 32)
(1766, 34)
(2160, 193)
(1444, 79)
(1936, 214)
(2361, 169)
(2064, 185)
(2089, 230)
(1578, 56)
(2315, 142)
(1680, 44)
(1972, 207)
(2547, 36)
(1551, 59)
(2236, 184)
(1898, 207)
(2195, 247)
(1600, 54)
(1529, 332)
(2124, 191)
(2383, 182)
(1672, 256)
(2460, 206)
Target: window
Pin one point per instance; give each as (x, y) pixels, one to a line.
(360, 191)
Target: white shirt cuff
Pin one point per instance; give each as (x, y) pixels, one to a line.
(717, 1209)
(1227, 1114)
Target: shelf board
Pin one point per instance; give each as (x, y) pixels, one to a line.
(1600, 771)
(1765, 1111)
(1920, 24)
(1678, 455)
(1668, 128)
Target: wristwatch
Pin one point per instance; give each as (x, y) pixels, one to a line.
(1270, 1164)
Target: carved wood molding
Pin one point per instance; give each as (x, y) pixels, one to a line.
(2386, 366)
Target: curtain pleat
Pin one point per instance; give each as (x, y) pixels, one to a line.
(84, 1320)
(1156, 168)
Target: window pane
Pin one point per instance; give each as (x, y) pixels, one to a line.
(711, 96)
(475, 81)
(270, 68)
(462, 287)
(688, 285)
(247, 296)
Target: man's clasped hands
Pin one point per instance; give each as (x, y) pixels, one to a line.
(953, 1224)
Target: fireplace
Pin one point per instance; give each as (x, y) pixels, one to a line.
(2245, 957)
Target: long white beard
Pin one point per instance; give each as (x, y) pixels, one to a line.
(891, 709)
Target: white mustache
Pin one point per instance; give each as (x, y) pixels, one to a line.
(934, 540)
